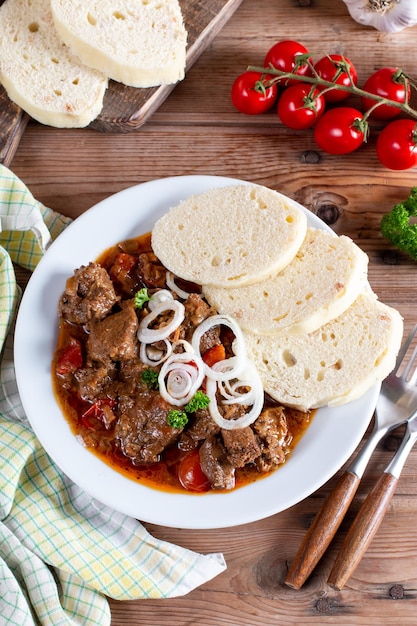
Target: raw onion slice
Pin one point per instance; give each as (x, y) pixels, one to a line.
(180, 378)
(150, 335)
(170, 281)
(162, 295)
(230, 390)
(185, 345)
(150, 355)
(238, 346)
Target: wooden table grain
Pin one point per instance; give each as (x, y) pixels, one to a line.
(197, 131)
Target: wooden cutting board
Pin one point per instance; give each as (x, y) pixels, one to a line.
(126, 108)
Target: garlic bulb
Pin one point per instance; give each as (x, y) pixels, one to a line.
(389, 16)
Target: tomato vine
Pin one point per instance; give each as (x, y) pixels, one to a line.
(351, 88)
(338, 129)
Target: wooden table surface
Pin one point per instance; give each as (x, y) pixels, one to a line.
(197, 131)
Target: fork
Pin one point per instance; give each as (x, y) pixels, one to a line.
(372, 511)
(396, 405)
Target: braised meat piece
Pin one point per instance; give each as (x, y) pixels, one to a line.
(94, 382)
(142, 430)
(272, 430)
(201, 428)
(215, 464)
(150, 270)
(241, 446)
(196, 311)
(89, 295)
(115, 337)
(130, 377)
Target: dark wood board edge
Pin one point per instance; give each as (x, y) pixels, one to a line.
(12, 125)
(13, 122)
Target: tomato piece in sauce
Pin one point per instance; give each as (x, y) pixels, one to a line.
(71, 358)
(214, 355)
(190, 474)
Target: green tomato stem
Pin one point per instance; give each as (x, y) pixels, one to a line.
(327, 85)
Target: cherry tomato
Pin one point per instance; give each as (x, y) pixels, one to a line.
(300, 106)
(339, 130)
(337, 69)
(190, 474)
(250, 95)
(388, 82)
(283, 57)
(396, 146)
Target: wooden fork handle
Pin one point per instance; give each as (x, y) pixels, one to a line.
(322, 530)
(363, 529)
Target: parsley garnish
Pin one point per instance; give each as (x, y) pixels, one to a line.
(150, 377)
(141, 297)
(199, 401)
(398, 227)
(177, 419)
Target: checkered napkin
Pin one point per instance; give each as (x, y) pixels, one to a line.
(62, 552)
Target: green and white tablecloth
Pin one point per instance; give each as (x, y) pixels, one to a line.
(62, 552)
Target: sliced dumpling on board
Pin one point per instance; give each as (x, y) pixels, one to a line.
(40, 74)
(136, 42)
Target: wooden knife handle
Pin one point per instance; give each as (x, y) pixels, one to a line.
(363, 529)
(322, 530)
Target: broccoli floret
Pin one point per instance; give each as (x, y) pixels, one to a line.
(396, 226)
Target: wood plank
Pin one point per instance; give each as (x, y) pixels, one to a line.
(197, 131)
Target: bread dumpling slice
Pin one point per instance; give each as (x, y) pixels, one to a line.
(40, 74)
(230, 236)
(321, 282)
(335, 364)
(141, 43)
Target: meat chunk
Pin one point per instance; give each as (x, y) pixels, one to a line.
(115, 337)
(274, 437)
(201, 428)
(215, 464)
(89, 295)
(94, 382)
(241, 446)
(196, 311)
(151, 271)
(143, 430)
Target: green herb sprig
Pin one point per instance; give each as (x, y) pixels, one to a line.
(396, 226)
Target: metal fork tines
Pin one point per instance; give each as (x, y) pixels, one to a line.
(396, 405)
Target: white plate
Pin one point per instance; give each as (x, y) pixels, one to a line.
(329, 441)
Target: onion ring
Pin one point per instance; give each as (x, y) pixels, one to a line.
(149, 335)
(162, 295)
(170, 281)
(255, 397)
(238, 347)
(145, 353)
(180, 378)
